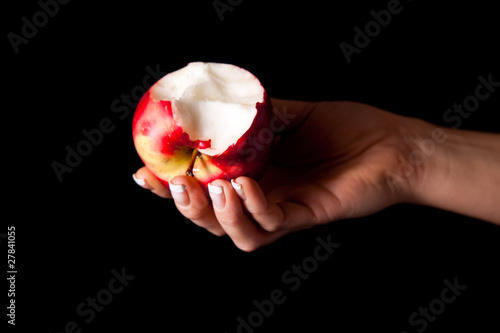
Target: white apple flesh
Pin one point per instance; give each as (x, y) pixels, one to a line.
(207, 120)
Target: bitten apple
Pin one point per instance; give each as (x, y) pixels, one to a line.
(206, 120)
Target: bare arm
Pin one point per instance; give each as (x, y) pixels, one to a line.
(340, 160)
(462, 174)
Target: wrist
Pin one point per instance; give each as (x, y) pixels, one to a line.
(434, 166)
(460, 172)
(421, 156)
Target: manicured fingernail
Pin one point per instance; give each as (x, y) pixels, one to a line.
(174, 188)
(139, 181)
(179, 194)
(217, 195)
(235, 185)
(238, 188)
(214, 189)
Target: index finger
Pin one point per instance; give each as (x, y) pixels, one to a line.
(145, 178)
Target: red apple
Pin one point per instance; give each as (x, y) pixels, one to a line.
(206, 120)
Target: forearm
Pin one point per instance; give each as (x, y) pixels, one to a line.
(463, 175)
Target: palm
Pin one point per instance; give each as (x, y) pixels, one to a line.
(336, 161)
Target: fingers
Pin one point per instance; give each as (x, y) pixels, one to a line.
(245, 234)
(295, 210)
(238, 208)
(144, 178)
(249, 218)
(192, 202)
(269, 216)
(189, 198)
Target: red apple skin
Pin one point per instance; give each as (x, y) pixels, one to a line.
(166, 149)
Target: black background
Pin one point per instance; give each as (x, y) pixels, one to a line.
(71, 234)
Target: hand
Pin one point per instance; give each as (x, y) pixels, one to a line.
(329, 163)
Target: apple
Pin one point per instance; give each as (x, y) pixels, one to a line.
(206, 120)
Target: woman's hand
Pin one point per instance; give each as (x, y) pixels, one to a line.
(339, 160)
(329, 163)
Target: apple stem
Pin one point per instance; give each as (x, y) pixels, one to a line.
(189, 170)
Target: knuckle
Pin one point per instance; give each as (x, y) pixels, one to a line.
(227, 220)
(273, 224)
(220, 233)
(197, 213)
(162, 193)
(193, 215)
(248, 246)
(217, 231)
(229, 217)
(257, 209)
(200, 205)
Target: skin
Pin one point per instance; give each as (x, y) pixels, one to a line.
(341, 160)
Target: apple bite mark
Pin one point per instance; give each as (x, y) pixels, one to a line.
(204, 121)
(213, 102)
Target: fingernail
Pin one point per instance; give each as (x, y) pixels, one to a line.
(179, 194)
(217, 195)
(139, 181)
(238, 188)
(235, 185)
